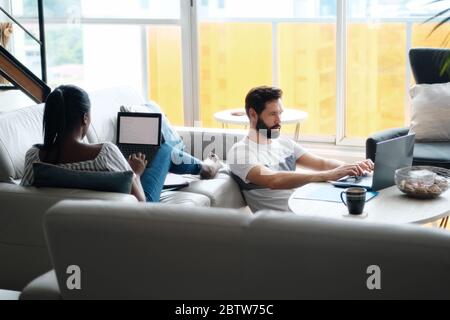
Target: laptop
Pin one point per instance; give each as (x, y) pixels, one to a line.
(391, 155)
(139, 133)
(175, 182)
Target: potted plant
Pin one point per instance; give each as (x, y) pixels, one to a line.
(442, 17)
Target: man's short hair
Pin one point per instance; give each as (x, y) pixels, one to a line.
(258, 97)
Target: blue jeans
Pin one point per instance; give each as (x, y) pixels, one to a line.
(168, 159)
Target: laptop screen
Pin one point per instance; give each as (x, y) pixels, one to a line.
(139, 130)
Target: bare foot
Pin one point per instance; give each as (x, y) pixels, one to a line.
(210, 167)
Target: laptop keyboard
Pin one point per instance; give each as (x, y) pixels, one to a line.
(365, 181)
(354, 181)
(149, 151)
(129, 150)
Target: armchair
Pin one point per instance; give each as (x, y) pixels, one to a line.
(426, 64)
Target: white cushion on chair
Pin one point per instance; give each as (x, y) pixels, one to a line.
(431, 112)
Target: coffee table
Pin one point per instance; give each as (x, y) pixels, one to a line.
(390, 206)
(238, 117)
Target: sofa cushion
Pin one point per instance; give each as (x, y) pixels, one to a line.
(431, 112)
(222, 191)
(50, 176)
(184, 199)
(105, 106)
(43, 288)
(148, 239)
(432, 154)
(19, 131)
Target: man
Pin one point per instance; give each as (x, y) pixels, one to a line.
(264, 164)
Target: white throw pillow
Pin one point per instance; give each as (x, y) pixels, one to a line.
(431, 112)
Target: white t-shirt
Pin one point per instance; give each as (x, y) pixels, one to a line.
(281, 155)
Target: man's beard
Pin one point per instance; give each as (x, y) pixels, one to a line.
(265, 131)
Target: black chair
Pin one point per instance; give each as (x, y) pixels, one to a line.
(426, 64)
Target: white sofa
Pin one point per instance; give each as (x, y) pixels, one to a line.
(23, 250)
(144, 251)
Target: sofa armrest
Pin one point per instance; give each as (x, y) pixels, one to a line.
(22, 240)
(43, 288)
(200, 141)
(23, 209)
(371, 144)
(222, 191)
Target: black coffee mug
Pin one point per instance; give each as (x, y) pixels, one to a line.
(356, 200)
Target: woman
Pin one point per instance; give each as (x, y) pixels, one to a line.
(66, 122)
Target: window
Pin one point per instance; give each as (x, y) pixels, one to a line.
(291, 44)
(103, 43)
(237, 45)
(164, 66)
(119, 9)
(380, 33)
(131, 9)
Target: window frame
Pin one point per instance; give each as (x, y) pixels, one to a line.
(183, 22)
(189, 24)
(341, 54)
(342, 23)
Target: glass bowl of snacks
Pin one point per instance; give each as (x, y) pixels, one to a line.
(423, 182)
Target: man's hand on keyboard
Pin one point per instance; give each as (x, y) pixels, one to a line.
(365, 167)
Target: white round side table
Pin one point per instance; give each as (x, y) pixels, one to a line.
(239, 117)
